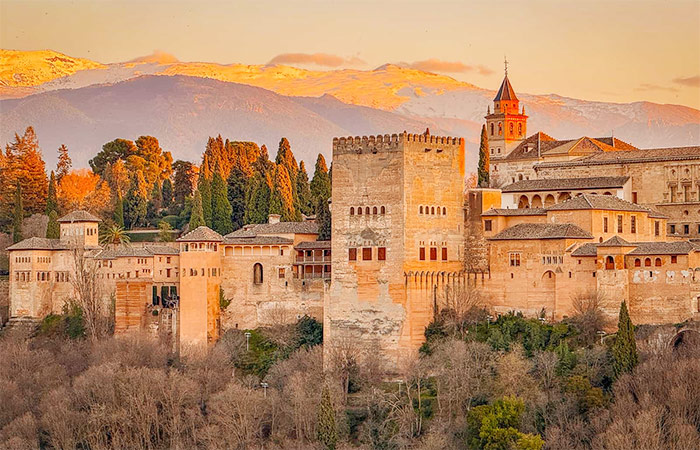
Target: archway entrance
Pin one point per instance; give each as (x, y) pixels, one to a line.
(523, 202)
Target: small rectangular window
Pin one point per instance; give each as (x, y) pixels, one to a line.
(514, 259)
(381, 253)
(352, 254)
(367, 254)
(633, 224)
(433, 253)
(686, 229)
(657, 230)
(444, 253)
(422, 254)
(280, 273)
(673, 229)
(674, 259)
(619, 224)
(605, 224)
(488, 225)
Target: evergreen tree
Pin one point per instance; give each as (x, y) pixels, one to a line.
(258, 202)
(53, 230)
(119, 211)
(197, 215)
(64, 162)
(51, 199)
(285, 158)
(321, 182)
(282, 199)
(327, 432)
(483, 175)
(184, 181)
(136, 203)
(221, 208)
(304, 191)
(18, 215)
(164, 233)
(204, 188)
(23, 164)
(237, 187)
(167, 193)
(323, 219)
(624, 350)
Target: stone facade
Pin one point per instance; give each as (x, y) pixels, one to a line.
(397, 237)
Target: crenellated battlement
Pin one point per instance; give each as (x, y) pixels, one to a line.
(387, 142)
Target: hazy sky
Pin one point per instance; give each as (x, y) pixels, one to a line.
(597, 50)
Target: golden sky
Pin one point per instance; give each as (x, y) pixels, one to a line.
(618, 51)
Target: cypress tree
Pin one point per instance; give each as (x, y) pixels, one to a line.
(321, 182)
(204, 188)
(323, 218)
(53, 230)
(258, 203)
(282, 199)
(18, 215)
(624, 350)
(237, 186)
(327, 432)
(197, 216)
(483, 174)
(64, 162)
(51, 199)
(167, 193)
(221, 208)
(119, 211)
(304, 191)
(135, 203)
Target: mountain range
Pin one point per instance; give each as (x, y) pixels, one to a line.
(84, 104)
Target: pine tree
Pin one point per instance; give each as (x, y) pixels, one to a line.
(221, 208)
(204, 187)
(26, 167)
(282, 200)
(167, 193)
(321, 182)
(323, 219)
(258, 200)
(483, 174)
(18, 215)
(136, 203)
(51, 199)
(304, 191)
(237, 187)
(119, 211)
(327, 432)
(53, 230)
(197, 216)
(624, 350)
(64, 162)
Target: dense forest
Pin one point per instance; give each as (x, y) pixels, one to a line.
(136, 184)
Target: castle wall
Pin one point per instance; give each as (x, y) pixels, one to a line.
(34, 289)
(199, 296)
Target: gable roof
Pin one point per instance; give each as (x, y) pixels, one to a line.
(663, 248)
(630, 157)
(303, 227)
(79, 216)
(542, 231)
(202, 233)
(506, 91)
(515, 212)
(38, 243)
(532, 148)
(587, 249)
(310, 245)
(558, 184)
(129, 251)
(615, 241)
(596, 201)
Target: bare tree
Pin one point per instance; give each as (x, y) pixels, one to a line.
(589, 316)
(461, 306)
(87, 292)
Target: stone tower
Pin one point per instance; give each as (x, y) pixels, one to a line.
(200, 280)
(397, 239)
(507, 125)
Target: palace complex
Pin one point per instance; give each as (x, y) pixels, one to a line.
(562, 222)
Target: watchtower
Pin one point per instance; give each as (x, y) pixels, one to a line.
(507, 125)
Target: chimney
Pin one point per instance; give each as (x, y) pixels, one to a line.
(273, 218)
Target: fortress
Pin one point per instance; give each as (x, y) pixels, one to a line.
(561, 220)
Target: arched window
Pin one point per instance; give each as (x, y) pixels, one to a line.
(491, 129)
(609, 263)
(637, 262)
(352, 210)
(374, 210)
(647, 262)
(420, 210)
(520, 177)
(444, 211)
(367, 210)
(510, 128)
(657, 262)
(520, 129)
(382, 210)
(359, 211)
(432, 210)
(500, 128)
(439, 211)
(257, 273)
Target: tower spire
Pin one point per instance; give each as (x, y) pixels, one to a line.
(505, 63)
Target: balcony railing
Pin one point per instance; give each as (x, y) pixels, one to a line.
(310, 275)
(313, 259)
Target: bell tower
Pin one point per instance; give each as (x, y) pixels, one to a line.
(507, 125)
